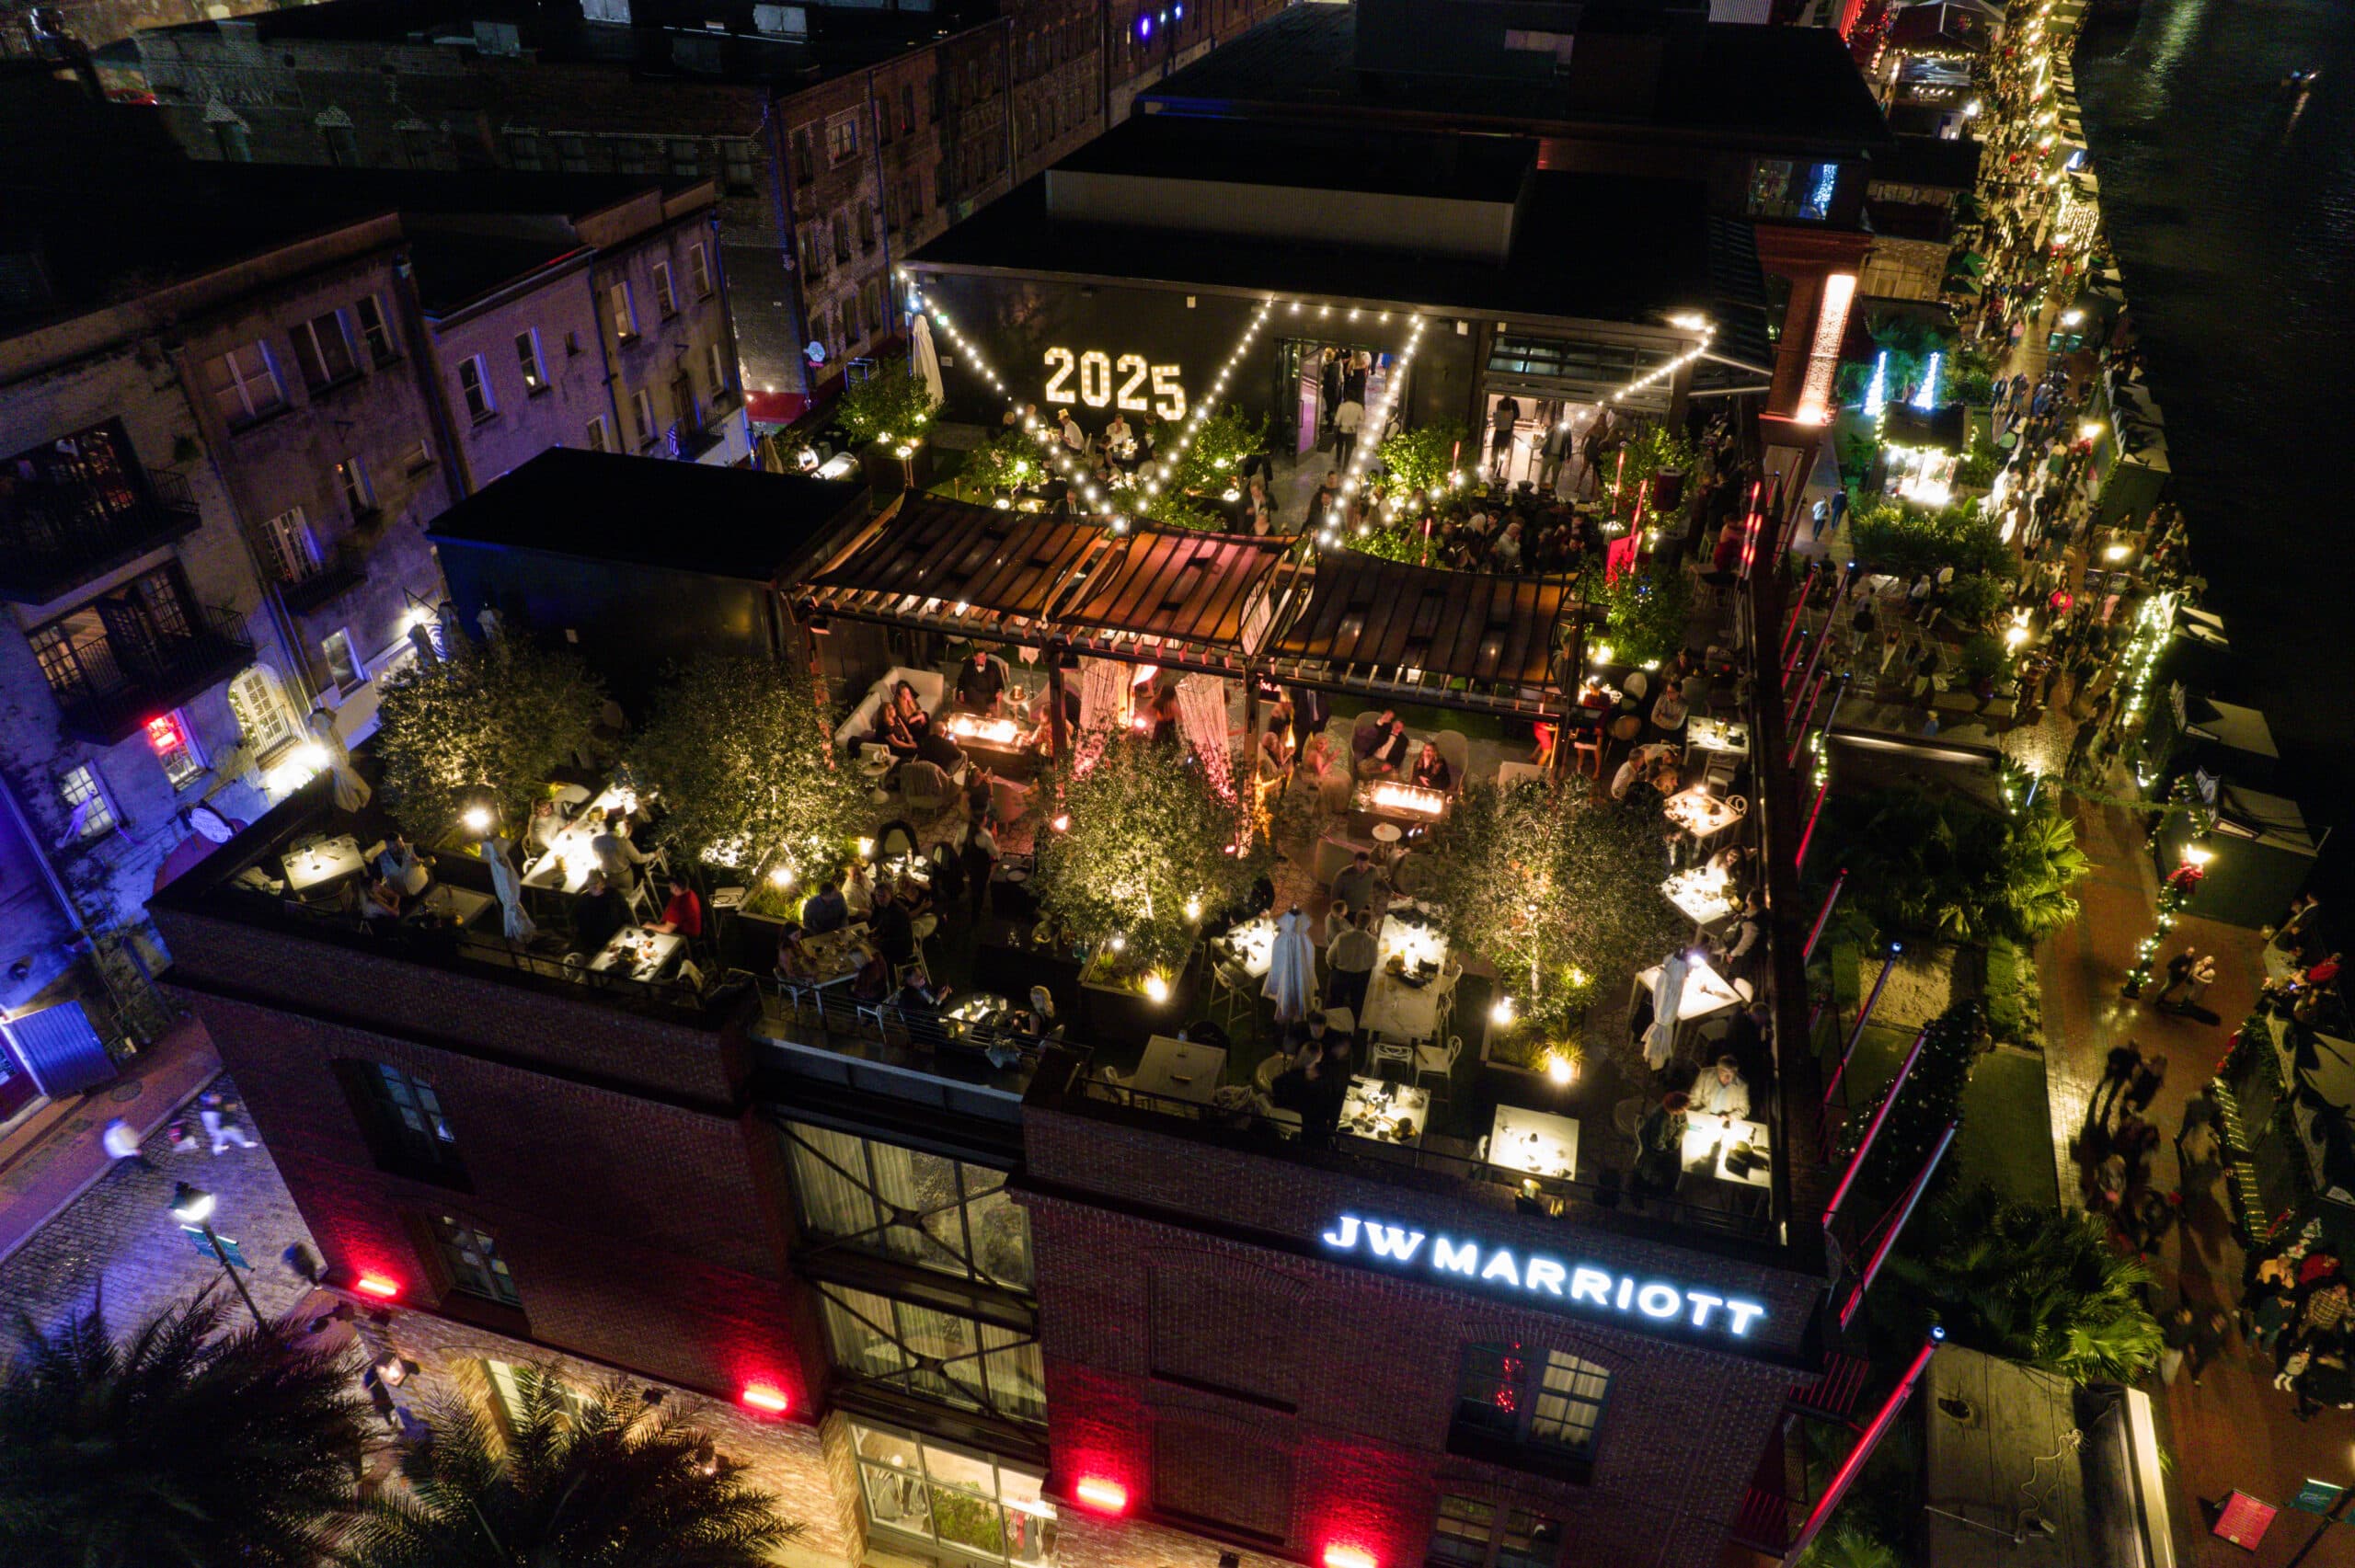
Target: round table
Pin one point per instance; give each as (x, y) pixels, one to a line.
(1386, 834)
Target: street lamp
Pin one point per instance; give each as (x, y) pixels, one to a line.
(193, 1207)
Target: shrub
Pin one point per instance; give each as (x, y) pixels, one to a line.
(1907, 542)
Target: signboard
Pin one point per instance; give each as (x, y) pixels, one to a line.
(1544, 1279)
(228, 1252)
(2244, 1520)
(2317, 1497)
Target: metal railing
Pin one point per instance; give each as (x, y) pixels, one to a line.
(105, 690)
(53, 532)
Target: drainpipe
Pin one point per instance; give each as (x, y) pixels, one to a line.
(57, 889)
(726, 323)
(779, 176)
(879, 111)
(456, 482)
(1005, 100)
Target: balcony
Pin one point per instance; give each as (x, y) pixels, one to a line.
(106, 689)
(326, 583)
(58, 531)
(689, 442)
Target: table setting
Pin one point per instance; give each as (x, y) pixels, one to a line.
(1702, 813)
(1703, 894)
(323, 861)
(638, 953)
(1732, 1148)
(1387, 1112)
(1533, 1142)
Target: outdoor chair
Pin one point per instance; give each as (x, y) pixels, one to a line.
(1231, 995)
(1511, 774)
(1456, 746)
(924, 788)
(1440, 1061)
(1333, 857)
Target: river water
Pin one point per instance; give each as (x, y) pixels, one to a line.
(2235, 225)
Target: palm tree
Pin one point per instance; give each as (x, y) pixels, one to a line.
(582, 1479)
(1847, 1545)
(179, 1446)
(2036, 1285)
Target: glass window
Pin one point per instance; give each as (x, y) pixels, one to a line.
(625, 309)
(523, 149)
(264, 715)
(358, 493)
(343, 664)
(474, 384)
(934, 1355)
(175, 748)
(289, 547)
(666, 296)
(1460, 1534)
(804, 170)
(411, 1112)
(715, 366)
(1822, 179)
(842, 139)
(243, 383)
(527, 359)
(471, 1254)
(601, 434)
(1770, 188)
(1515, 1401)
(88, 812)
(373, 330)
(736, 166)
(699, 270)
(686, 159)
(641, 408)
(979, 1506)
(912, 1207)
(1530, 1540)
(572, 153)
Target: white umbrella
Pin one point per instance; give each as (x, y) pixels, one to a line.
(352, 791)
(1668, 991)
(1291, 964)
(510, 888)
(928, 357)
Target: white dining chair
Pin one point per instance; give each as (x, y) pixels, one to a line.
(1438, 1060)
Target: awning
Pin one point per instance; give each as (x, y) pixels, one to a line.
(1210, 592)
(1384, 626)
(951, 565)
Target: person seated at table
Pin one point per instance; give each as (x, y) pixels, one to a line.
(892, 731)
(893, 929)
(1668, 708)
(1733, 951)
(858, 891)
(1722, 1091)
(1068, 431)
(1276, 741)
(794, 964)
(1315, 1090)
(934, 745)
(1357, 883)
(1350, 959)
(1381, 747)
(399, 864)
(1116, 432)
(1431, 771)
(826, 909)
(872, 983)
(1041, 740)
(918, 1001)
(980, 683)
(540, 834)
(616, 856)
(682, 912)
(1659, 1147)
(379, 905)
(598, 913)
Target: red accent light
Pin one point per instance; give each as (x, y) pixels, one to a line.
(376, 1285)
(1103, 1496)
(764, 1397)
(164, 733)
(1349, 1557)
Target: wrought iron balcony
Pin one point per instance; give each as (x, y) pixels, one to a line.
(58, 531)
(106, 689)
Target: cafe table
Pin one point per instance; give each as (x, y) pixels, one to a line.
(323, 861)
(1254, 945)
(1537, 1143)
(1709, 1138)
(1703, 894)
(1178, 1069)
(1707, 992)
(1729, 735)
(1701, 812)
(568, 860)
(458, 904)
(639, 955)
(1387, 1112)
(976, 1010)
(1397, 1009)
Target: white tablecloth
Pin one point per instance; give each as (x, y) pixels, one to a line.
(1535, 1141)
(1701, 894)
(1719, 735)
(1255, 944)
(1374, 1109)
(1393, 1008)
(1706, 992)
(639, 953)
(1179, 1069)
(1707, 1140)
(568, 860)
(1702, 814)
(322, 863)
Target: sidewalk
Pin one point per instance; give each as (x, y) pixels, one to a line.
(57, 1156)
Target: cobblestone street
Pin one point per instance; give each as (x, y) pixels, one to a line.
(119, 1241)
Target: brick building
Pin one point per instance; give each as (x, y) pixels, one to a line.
(229, 405)
(839, 137)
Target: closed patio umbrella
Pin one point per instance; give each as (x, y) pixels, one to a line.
(1667, 990)
(504, 882)
(352, 791)
(1291, 968)
(928, 357)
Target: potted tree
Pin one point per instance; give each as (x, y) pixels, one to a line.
(486, 727)
(889, 415)
(1139, 849)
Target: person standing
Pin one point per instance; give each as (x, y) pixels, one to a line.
(1501, 420)
(1551, 456)
(1350, 958)
(219, 1116)
(2175, 1343)
(2178, 974)
(1346, 420)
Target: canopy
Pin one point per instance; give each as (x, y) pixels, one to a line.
(1411, 626)
(1177, 585)
(947, 564)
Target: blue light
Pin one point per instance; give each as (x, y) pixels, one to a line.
(1144, 27)
(1178, 12)
(1926, 399)
(1876, 390)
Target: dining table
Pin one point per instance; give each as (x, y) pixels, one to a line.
(1537, 1143)
(1703, 894)
(1254, 945)
(1404, 993)
(979, 1010)
(1705, 993)
(1386, 1111)
(639, 955)
(1178, 1069)
(1729, 735)
(460, 905)
(566, 863)
(1710, 1139)
(1701, 811)
(323, 861)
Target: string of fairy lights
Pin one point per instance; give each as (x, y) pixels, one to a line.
(1061, 460)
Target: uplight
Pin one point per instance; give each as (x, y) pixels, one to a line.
(1117, 942)
(312, 755)
(1349, 1557)
(378, 1286)
(764, 1397)
(1502, 1012)
(1104, 1495)
(1557, 1067)
(1156, 990)
(2117, 552)
(866, 847)
(476, 818)
(781, 877)
(1062, 823)
(2195, 855)
(1193, 909)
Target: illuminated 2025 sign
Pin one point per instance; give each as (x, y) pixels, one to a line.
(1096, 371)
(1534, 1273)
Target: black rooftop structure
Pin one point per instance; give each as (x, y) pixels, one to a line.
(1409, 624)
(1941, 163)
(743, 523)
(932, 560)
